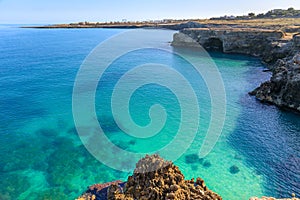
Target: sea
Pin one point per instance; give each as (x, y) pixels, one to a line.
(44, 150)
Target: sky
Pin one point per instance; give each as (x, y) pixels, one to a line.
(67, 11)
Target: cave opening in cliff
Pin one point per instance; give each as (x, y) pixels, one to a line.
(214, 44)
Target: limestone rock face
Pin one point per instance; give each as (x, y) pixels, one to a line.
(181, 39)
(250, 41)
(283, 89)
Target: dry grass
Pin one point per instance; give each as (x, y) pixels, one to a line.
(249, 22)
(256, 22)
(274, 24)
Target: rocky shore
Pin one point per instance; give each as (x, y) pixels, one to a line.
(278, 50)
(276, 41)
(283, 89)
(153, 178)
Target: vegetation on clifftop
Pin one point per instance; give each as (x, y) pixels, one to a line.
(275, 13)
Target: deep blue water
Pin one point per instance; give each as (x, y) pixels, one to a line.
(42, 156)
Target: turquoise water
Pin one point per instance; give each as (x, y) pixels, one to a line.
(42, 156)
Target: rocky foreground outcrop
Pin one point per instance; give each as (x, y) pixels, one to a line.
(153, 178)
(283, 89)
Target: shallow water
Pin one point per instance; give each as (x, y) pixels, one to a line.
(42, 156)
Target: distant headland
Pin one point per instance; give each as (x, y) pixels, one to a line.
(273, 36)
(272, 19)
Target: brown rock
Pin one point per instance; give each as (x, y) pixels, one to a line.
(155, 178)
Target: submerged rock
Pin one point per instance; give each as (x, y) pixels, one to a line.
(234, 169)
(206, 164)
(154, 178)
(272, 198)
(194, 167)
(193, 158)
(11, 185)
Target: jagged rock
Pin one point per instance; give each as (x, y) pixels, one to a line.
(154, 178)
(99, 191)
(284, 85)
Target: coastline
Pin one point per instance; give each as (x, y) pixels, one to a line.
(286, 24)
(155, 178)
(279, 47)
(279, 51)
(275, 41)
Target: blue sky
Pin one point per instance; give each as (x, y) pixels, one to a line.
(65, 11)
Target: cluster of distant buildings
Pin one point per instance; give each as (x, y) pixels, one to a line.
(125, 21)
(163, 21)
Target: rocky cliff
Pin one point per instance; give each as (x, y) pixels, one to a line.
(250, 41)
(283, 89)
(153, 178)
